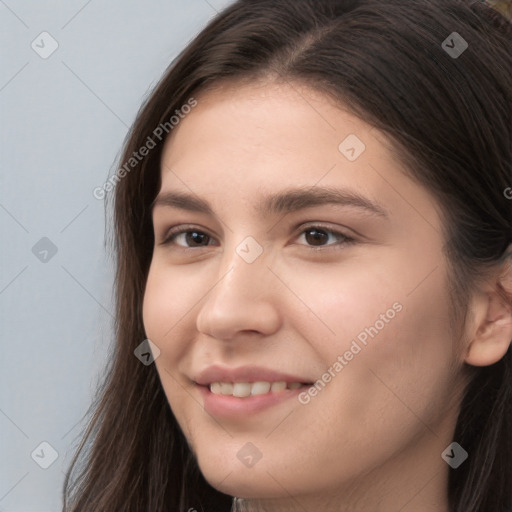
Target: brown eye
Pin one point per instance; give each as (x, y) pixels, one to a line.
(318, 237)
(192, 238)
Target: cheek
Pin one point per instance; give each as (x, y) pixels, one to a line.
(399, 309)
(341, 304)
(167, 299)
(393, 336)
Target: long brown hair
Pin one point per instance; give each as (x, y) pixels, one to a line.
(450, 119)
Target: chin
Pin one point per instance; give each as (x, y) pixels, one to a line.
(240, 482)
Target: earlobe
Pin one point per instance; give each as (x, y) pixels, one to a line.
(493, 333)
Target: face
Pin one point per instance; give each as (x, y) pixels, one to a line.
(304, 272)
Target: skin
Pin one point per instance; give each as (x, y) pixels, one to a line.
(372, 439)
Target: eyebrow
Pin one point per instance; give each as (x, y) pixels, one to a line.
(286, 201)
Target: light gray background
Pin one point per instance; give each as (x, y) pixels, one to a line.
(63, 120)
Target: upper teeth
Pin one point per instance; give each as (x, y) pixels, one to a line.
(244, 389)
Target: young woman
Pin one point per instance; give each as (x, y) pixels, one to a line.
(313, 228)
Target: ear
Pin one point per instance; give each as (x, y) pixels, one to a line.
(493, 319)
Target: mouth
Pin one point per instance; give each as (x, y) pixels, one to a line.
(239, 393)
(241, 401)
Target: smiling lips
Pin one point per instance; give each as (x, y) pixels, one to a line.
(236, 391)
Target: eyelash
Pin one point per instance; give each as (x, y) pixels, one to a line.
(346, 240)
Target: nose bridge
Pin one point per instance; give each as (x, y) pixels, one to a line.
(242, 274)
(243, 268)
(240, 298)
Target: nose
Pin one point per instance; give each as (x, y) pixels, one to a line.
(242, 298)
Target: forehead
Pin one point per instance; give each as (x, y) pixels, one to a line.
(268, 130)
(278, 115)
